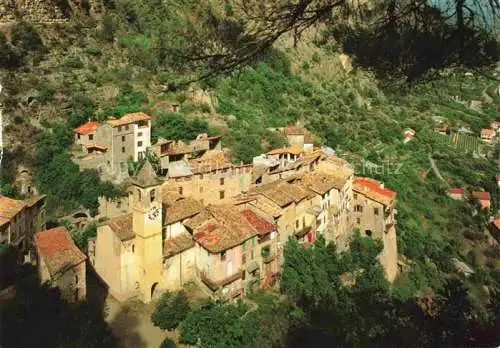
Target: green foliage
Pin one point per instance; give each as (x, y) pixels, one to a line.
(26, 40)
(168, 343)
(81, 236)
(170, 310)
(170, 125)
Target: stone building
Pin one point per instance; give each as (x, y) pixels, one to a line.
(61, 263)
(109, 145)
(374, 216)
(19, 220)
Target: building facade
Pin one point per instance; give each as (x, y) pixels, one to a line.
(61, 263)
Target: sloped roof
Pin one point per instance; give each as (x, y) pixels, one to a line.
(58, 250)
(282, 193)
(456, 190)
(9, 208)
(178, 244)
(147, 176)
(321, 183)
(372, 189)
(294, 150)
(129, 118)
(98, 146)
(87, 128)
(122, 226)
(487, 132)
(481, 195)
(225, 228)
(258, 222)
(182, 208)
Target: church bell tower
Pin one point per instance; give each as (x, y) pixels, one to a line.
(147, 225)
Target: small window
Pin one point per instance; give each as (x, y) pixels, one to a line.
(76, 279)
(119, 128)
(127, 127)
(139, 143)
(133, 248)
(91, 136)
(139, 134)
(139, 195)
(222, 181)
(303, 222)
(221, 194)
(123, 137)
(152, 195)
(358, 221)
(118, 204)
(123, 149)
(355, 196)
(223, 256)
(78, 136)
(180, 190)
(358, 208)
(375, 211)
(296, 223)
(368, 233)
(201, 189)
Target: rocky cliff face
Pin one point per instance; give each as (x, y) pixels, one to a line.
(46, 11)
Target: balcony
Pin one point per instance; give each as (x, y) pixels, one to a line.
(216, 284)
(302, 232)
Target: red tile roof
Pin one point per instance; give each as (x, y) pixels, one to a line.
(481, 195)
(129, 118)
(87, 128)
(496, 223)
(456, 190)
(487, 132)
(260, 224)
(373, 190)
(57, 250)
(9, 208)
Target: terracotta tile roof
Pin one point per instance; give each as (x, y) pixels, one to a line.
(456, 190)
(129, 118)
(225, 228)
(122, 226)
(481, 195)
(282, 193)
(496, 223)
(487, 132)
(58, 250)
(211, 160)
(371, 188)
(258, 222)
(9, 208)
(87, 128)
(178, 244)
(322, 183)
(294, 150)
(183, 208)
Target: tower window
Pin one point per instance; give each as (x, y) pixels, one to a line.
(375, 211)
(180, 190)
(222, 181)
(76, 278)
(221, 194)
(152, 195)
(123, 149)
(139, 195)
(133, 248)
(139, 143)
(123, 137)
(358, 208)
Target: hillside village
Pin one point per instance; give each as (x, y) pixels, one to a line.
(196, 217)
(340, 185)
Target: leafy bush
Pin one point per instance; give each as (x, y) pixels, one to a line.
(26, 39)
(168, 343)
(170, 310)
(172, 125)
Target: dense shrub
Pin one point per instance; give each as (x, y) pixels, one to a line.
(170, 310)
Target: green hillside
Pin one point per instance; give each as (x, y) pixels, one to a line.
(58, 76)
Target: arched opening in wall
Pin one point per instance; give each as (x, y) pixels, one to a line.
(368, 233)
(154, 291)
(152, 195)
(80, 215)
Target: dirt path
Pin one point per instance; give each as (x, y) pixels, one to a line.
(132, 325)
(435, 169)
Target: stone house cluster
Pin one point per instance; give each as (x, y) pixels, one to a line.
(166, 233)
(107, 146)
